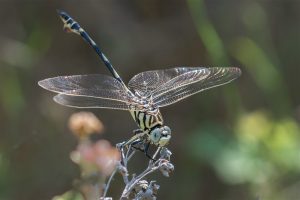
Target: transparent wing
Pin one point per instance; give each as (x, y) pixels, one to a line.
(94, 90)
(172, 91)
(89, 102)
(146, 83)
(62, 84)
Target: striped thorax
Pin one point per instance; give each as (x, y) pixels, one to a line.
(147, 120)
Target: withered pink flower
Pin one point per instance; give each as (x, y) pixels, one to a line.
(83, 124)
(101, 155)
(107, 156)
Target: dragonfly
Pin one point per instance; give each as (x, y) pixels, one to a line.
(144, 95)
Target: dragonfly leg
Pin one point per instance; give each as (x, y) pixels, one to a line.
(134, 138)
(144, 149)
(138, 145)
(137, 131)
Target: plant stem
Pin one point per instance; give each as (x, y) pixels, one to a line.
(108, 183)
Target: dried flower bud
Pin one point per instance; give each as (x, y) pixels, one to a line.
(165, 153)
(146, 191)
(155, 187)
(147, 195)
(83, 124)
(141, 185)
(166, 168)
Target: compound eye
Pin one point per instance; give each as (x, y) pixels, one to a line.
(155, 135)
(166, 130)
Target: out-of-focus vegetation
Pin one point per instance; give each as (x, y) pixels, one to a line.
(240, 141)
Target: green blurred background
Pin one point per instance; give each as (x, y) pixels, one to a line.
(237, 142)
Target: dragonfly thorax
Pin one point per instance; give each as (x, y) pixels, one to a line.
(147, 119)
(143, 103)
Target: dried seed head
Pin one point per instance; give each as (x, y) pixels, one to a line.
(147, 191)
(147, 195)
(155, 187)
(83, 124)
(166, 168)
(165, 153)
(141, 185)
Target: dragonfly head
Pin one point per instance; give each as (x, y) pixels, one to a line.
(160, 136)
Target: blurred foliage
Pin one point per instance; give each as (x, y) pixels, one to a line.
(71, 195)
(240, 141)
(4, 169)
(262, 150)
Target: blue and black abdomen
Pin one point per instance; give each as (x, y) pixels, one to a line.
(70, 25)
